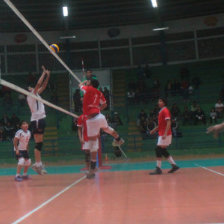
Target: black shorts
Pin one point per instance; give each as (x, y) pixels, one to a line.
(23, 154)
(38, 127)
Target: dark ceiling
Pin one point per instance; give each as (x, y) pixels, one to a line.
(47, 14)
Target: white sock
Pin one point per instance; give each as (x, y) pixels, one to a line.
(38, 164)
(171, 161)
(158, 163)
(18, 174)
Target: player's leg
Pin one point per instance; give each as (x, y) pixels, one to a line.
(38, 138)
(94, 145)
(158, 170)
(94, 125)
(87, 158)
(20, 165)
(26, 167)
(166, 142)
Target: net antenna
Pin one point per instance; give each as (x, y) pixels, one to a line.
(41, 39)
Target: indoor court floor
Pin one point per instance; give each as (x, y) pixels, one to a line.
(124, 195)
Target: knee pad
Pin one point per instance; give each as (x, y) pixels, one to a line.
(159, 153)
(109, 130)
(27, 162)
(165, 153)
(87, 156)
(39, 146)
(21, 161)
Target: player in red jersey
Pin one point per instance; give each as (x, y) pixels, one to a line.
(93, 103)
(164, 138)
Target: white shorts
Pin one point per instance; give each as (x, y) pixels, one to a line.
(167, 141)
(95, 124)
(92, 145)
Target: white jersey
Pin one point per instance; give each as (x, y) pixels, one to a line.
(24, 138)
(36, 107)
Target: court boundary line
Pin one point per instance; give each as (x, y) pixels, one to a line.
(211, 170)
(48, 201)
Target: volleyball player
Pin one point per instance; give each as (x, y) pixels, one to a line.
(21, 143)
(93, 103)
(164, 138)
(38, 117)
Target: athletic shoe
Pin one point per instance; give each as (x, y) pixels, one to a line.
(90, 175)
(43, 170)
(118, 143)
(26, 177)
(157, 171)
(18, 178)
(174, 168)
(37, 169)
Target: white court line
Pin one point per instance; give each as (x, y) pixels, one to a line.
(48, 201)
(211, 170)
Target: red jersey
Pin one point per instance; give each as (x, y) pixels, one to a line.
(92, 100)
(164, 115)
(82, 123)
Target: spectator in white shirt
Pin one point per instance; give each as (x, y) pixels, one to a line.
(219, 106)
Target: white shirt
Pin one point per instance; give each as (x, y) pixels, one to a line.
(219, 105)
(24, 138)
(36, 107)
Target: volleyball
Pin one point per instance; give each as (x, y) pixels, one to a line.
(54, 47)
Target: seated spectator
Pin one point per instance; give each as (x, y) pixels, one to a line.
(219, 108)
(1, 132)
(21, 99)
(176, 88)
(108, 118)
(186, 116)
(168, 88)
(175, 111)
(9, 131)
(199, 116)
(196, 82)
(175, 128)
(194, 107)
(147, 71)
(14, 120)
(213, 116)
(140, 72)
(131, 97)
(8, 99)
(5, 119)
(116, 120)
(150, 126)
(190, 90)
(77, 101)
(143, 128)
(106, 94)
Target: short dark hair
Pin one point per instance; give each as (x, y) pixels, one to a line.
(95, 83)
(164, 100)
(23, 122)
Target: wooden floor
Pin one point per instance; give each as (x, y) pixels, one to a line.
(192, 195)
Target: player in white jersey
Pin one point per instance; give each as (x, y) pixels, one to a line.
(38, 116)
(21, 143)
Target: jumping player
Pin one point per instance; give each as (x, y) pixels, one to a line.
(164, 139)
(84, 139)
(21, 143)
(93, 103)
(38, 117)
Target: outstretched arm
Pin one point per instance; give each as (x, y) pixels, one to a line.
(45, 82)
(40, 81)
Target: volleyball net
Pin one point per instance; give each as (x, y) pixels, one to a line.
(22, 55)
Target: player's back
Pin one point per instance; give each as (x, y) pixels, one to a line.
(92, 100)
